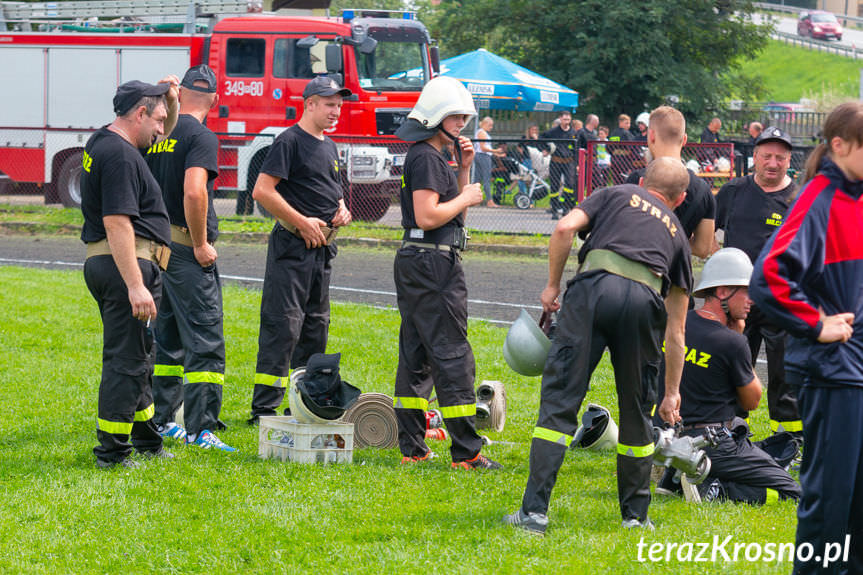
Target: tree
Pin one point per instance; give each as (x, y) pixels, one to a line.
(621, 56)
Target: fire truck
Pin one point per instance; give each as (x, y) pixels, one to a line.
(61, 62)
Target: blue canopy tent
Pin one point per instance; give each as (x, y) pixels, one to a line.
(498, 84)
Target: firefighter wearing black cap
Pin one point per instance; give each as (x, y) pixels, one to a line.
(749, 210)
(635, 255)
(430, 284)
(299, 184)
(127, 233)
(190, 345)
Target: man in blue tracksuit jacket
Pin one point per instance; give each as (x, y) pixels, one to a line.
(809, 280)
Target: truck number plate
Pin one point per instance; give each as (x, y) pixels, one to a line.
(399, 159)
(241, 88)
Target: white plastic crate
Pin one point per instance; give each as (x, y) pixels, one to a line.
(282, 437)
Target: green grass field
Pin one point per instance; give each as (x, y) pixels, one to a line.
(790, 73)
(212, 512)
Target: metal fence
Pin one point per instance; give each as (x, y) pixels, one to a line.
(803, 127)
(523, 178)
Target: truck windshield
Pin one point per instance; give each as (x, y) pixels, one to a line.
(393, 66)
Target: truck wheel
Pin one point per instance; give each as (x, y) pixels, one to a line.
(69, 181)
(521, 201)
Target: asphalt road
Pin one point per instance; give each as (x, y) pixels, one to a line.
(498, 286)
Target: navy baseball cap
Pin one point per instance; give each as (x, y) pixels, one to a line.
(130, 93)
(201, 73)
(774, 134)
(324, 86)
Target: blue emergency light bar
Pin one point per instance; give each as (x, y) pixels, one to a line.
(349, 14)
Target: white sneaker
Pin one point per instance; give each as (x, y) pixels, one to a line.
(207, 440)
(172, 430)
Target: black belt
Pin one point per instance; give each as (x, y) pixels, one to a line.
(706, 425)
(445, 239)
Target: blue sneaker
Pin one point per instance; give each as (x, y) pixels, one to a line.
(207, 439)
(172, 430)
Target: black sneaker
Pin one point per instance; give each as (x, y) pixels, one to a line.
(711, 490)
(162, 453)
(647, 524)
(535, 523)
(669, 484)
(126, 462)
(478, 462)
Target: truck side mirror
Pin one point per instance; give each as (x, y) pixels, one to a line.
(333, 57)
(368, 45)
(435, 60)
(307, 42)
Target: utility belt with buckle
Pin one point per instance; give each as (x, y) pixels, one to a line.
(618, 265)
(444, 239)
(718, 424)
(181, 235)
(144, 249)
(330, 233)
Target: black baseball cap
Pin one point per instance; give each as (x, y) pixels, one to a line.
(774, 134)
(130, 93)
(201, 73)
(325, 86)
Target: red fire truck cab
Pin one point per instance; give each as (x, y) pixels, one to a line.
(62, 82)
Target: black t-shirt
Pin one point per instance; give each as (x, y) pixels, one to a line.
(749, 215)
(309, 172)
(717, 362)
(708, 137)
(562, 149)
(620, 135)
(426, 169)
(190, 145)
(585, 136)
(698, 205)
(631, 222)
(117, 181)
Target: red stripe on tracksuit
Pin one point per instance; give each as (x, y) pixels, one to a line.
(778, 285)
(844, 235)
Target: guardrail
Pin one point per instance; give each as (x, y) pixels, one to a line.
(819, 45)
(798, 10)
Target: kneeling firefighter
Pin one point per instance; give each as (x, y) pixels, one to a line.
(430, 284)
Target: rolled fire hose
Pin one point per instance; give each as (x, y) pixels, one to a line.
(491, 405)
(374, 420)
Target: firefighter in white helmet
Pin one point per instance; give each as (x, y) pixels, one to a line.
(717, 381)
(432, 295)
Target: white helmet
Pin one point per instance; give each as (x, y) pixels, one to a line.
(729, 267)
(441, 97)
(643, 118)
(597, 430)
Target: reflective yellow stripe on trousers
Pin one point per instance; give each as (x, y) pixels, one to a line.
(410, 403)
(271, 380)
(792, 426)
(162, 370)
(205, 377)
(635, 450)
(552, 436)
(453, 411)
(145, 414)
(117, 427)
